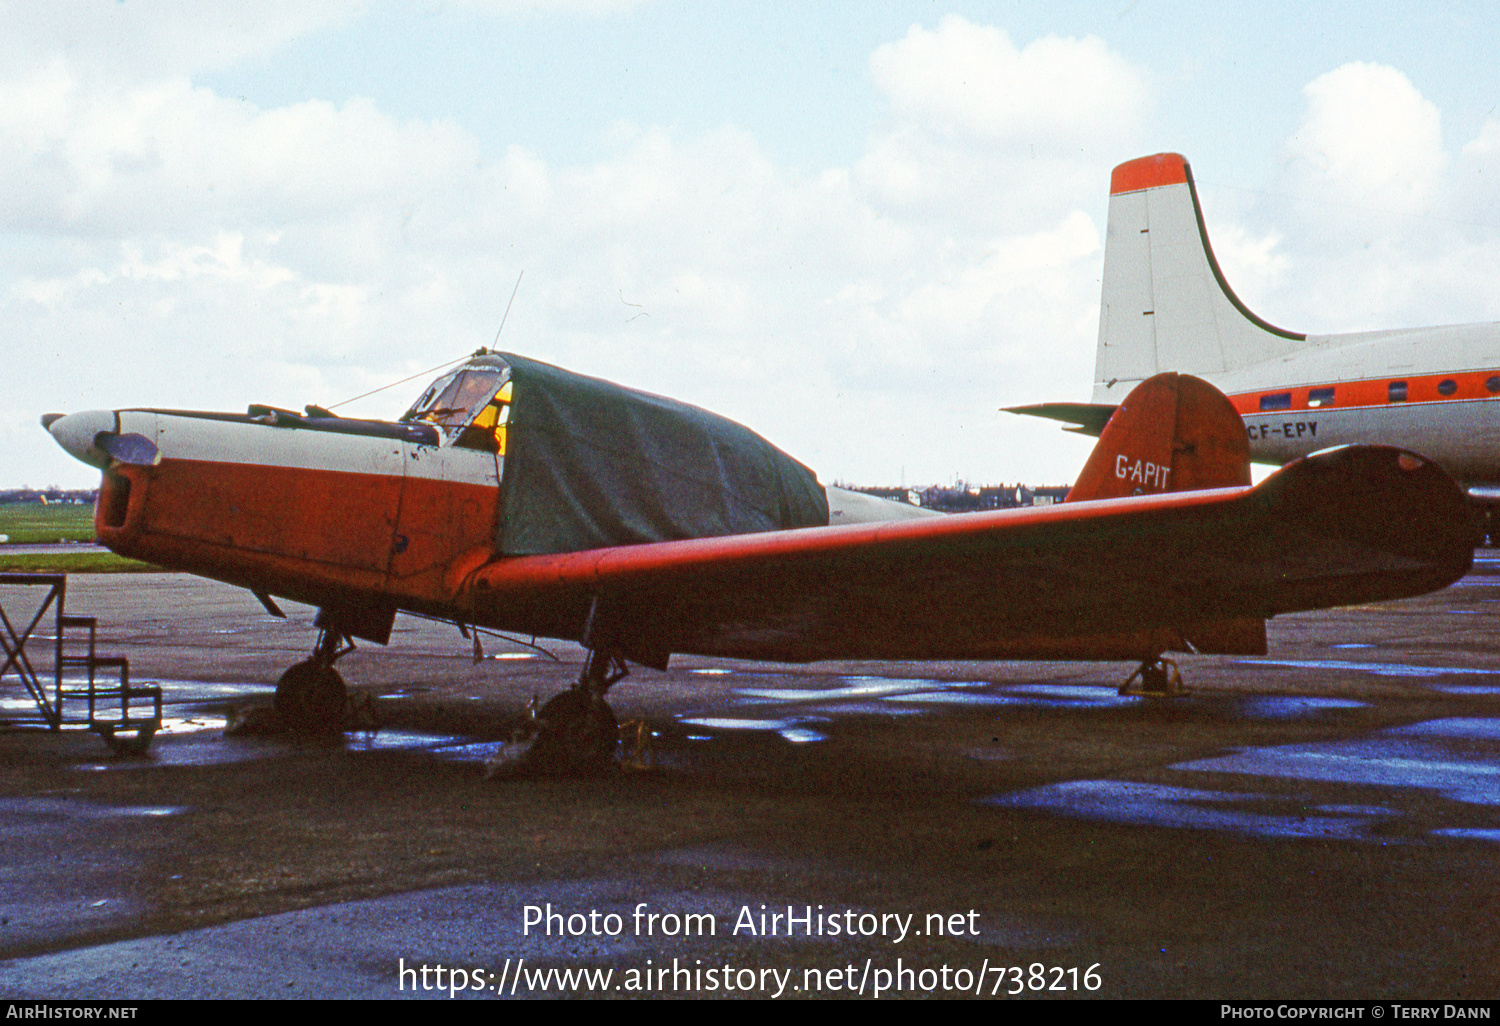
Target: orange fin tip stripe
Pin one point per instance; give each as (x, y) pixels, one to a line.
(1148, 173)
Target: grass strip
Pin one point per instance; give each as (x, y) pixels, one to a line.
(73, 563)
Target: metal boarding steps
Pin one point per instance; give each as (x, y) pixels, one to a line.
(126, 716)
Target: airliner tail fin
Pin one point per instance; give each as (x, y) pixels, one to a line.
(1165, 303)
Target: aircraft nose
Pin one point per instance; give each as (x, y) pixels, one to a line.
(78, 433)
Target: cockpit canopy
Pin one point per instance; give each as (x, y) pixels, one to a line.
(469, 405)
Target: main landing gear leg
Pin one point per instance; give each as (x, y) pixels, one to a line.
(1155, 678)
(578, 730)
(310, 696)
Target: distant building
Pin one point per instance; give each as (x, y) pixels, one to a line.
(965, 498)
(998, 497)
(1049, 494)
(910, 496)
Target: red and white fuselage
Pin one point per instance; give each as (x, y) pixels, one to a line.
(322, 510)
(362, 517)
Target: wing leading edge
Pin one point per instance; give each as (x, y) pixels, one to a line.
(1120, 578)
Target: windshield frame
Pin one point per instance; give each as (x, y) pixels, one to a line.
(452, 386)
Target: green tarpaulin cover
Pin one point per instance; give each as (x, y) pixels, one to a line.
(590, 464)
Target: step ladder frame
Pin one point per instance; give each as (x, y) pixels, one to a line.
(52, 712)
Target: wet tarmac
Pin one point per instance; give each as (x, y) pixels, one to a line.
(1320, 822)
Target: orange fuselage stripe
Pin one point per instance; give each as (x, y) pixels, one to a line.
(1422, 388)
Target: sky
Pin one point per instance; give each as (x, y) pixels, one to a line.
(858, 228)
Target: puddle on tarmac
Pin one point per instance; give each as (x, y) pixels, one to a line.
(1455, 727)
(1278, 707)
(796, 730)
(900, 695)
(919, 691)
(1457, 759)
(190, 724)
(1468, 834)
(1120, 801)
(82, 808)
(17, 704)
(468, 751)
(389, 740)
(172, 691)
(199, 741)
(1379, 669)
(863, 709)
(1403, 757)
(189, 690)
(856, 687)
(1055, 696)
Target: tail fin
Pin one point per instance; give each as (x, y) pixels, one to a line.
(1173, 433)
(1165, 304)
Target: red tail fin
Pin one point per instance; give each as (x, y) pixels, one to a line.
(1173, 433)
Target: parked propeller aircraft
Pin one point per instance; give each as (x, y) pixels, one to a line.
(1167, 307)
(517, 496)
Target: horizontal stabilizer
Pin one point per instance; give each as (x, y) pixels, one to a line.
(1085, 418)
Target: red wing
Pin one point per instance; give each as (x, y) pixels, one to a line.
(1118, 578)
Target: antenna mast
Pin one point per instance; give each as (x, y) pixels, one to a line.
(508, 306)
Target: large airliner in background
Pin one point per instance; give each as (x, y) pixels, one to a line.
(1167, 307)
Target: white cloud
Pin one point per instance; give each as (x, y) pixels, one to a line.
(972, 79)
(1369, 137)
(1486, 142)
(189, 249)
(163, 37)
(163, 154)
(1372, 223)
(1011, 293)
(987, 137)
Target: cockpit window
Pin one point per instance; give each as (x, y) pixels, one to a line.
(457, 400)
(487, 430)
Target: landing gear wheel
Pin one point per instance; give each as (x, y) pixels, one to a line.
(1155, 678)
(579, 734)
(310, 698)
(136, 744)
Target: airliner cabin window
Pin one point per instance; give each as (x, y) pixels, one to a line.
(1279, 401)
(1320, 397)
(1396, 393)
